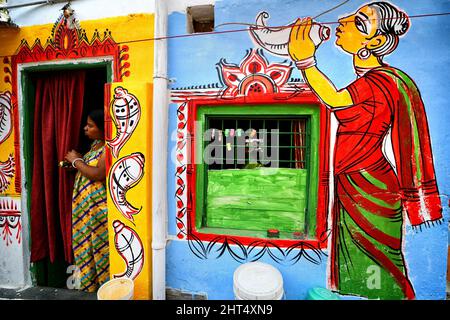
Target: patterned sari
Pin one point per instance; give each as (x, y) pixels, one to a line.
(372, 194)
(89, 225)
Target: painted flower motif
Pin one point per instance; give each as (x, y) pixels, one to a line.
(253, 76)
(7, 170)
(10, 219)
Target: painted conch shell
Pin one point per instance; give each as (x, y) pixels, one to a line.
(130, 248)
(126, 112)
(124, 175)
(5, 116)
(275, 39)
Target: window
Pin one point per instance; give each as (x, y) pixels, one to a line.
(258, 171)
(200, 19)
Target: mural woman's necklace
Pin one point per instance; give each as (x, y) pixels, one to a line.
(361, 71)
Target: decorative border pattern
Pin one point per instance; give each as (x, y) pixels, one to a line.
(10, 219)
(7, 170)
(180, 194)
(64, 43)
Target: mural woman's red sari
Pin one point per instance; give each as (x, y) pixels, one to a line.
(371, 194)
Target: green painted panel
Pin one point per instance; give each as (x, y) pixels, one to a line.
(272, 111)
(257, 199)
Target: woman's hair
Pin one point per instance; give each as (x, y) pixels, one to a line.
(98, 116)
(392, 23)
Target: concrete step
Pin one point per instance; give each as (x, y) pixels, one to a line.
(45, 293)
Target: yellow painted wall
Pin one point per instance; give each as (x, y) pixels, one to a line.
(138, 196)
(126, 30)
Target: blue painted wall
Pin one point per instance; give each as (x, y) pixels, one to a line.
(422, 53)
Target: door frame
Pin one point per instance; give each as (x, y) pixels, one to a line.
(23, 72)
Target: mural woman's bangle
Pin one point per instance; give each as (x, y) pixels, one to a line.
(306, 63)
(75, 160)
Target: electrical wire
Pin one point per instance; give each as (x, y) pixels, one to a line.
(255, 26)
(202, 34)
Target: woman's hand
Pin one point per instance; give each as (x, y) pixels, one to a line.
(72, 155)
(300, 45)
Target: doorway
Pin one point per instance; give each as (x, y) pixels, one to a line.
(45, 271)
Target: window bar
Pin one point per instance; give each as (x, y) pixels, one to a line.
(234, 144)
(208, 126)
(278, 129)
(222, 141)
(265, 142)
(249, 127)
(291, 143)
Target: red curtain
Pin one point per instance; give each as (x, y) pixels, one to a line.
(57, 122)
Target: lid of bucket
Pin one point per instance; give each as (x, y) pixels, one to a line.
(257, 281)
(116, 289)
(322, 294)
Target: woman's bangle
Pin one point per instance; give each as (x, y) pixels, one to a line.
(306, 63)
(75, 160)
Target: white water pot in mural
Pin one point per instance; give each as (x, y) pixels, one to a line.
(275, 39)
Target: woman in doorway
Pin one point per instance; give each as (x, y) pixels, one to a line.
(370, 193)
(89, 210)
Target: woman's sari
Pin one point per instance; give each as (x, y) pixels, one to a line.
(371, 193)
(89, 223)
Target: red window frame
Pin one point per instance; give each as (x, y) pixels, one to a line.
(306, 97)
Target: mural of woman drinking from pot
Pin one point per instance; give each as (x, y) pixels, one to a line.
(371, 196)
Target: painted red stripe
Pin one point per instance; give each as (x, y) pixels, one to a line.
(387, 176)
(387, 264)
(364, 224)
(374, 208)
(334, 265)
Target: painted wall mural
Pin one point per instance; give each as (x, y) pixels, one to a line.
(384, 182)
(180, 194)
(10, 221)
(254, 78)
(7, 170)
(124, 175)
(369, 195)
(130, 248)
(129, 214)
(126, 112)
(65, 42)
(254, 75)
(7, 167)
(69, 42)
(5, 115)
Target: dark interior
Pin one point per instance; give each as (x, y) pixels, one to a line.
(286, 135)
(55, 274)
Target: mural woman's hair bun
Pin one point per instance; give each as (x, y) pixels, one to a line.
(392, 23)
(401, 24)
(392, 20)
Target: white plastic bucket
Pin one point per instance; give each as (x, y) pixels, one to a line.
(257, 281)
(116, 289)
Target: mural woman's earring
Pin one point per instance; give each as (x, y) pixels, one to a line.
(363, 53)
